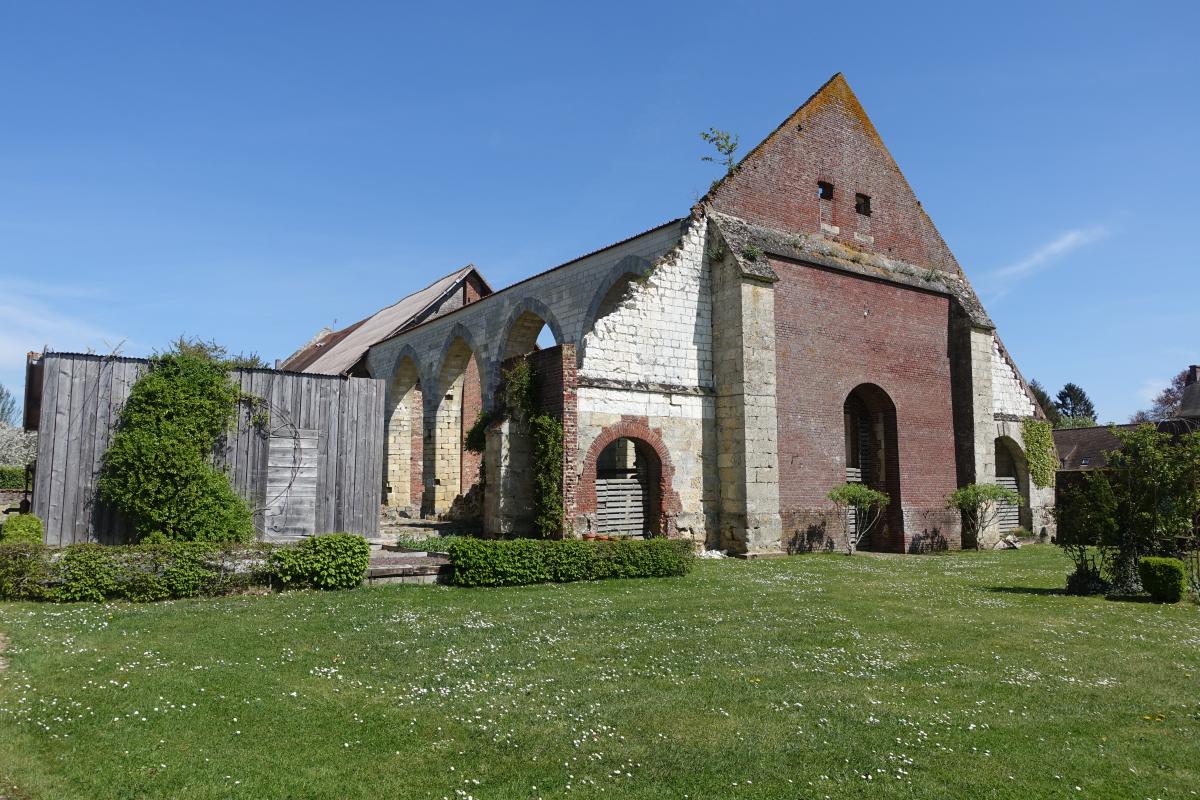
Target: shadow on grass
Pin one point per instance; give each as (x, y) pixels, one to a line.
(1036, 590)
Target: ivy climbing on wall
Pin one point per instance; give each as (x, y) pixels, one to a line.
(1039, 451)
(546, 433)
(159, 471)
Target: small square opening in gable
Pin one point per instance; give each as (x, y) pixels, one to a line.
(862, 204)
(825, 190)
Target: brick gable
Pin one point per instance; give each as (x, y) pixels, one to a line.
(830, 139)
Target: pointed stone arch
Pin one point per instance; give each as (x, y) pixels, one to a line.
(610, 291)
(450, 469)
(521, 329)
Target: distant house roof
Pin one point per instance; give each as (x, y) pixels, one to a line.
(1084, 448)
(337, 352)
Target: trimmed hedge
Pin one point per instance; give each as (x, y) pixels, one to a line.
(517, 562)
(12, 478)
(147, 572)
(329, 561)
(26, 528)
(1163, 578)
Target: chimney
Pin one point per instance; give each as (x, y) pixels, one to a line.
(1189, 404)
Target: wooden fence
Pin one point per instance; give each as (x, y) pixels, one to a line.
(316, 466)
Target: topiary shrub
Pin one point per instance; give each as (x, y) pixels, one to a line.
(1165, 579)
(158, 471)
(328, 561)
(25, 528)
(519, 562)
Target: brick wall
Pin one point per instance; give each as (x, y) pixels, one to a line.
(826, 346)
(472, 404)
(831, 139)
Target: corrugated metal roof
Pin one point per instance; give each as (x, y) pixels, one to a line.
(339, 351)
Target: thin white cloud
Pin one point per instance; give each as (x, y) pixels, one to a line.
(1063, 244)
(30, 323)
(1151, 388)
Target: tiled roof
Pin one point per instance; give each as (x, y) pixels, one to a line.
(1084, 448)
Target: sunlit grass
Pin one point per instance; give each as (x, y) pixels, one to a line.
(814, 676)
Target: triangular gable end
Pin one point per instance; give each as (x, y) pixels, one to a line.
(830, 140)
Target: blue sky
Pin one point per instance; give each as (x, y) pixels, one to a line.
(251, 172)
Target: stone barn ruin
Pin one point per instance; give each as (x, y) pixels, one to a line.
(715, 376)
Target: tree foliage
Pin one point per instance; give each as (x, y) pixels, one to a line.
(1075, 407)
(1166, 403)
(1144, 503)
(979, 504)
(725, 143)
(158, 471)
(8, 408)
(864, 503)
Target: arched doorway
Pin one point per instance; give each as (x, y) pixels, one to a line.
(1012, 473)
(872, 458)
(404, 441)
(628, 486)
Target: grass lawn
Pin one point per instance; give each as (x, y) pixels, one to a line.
(952, 676)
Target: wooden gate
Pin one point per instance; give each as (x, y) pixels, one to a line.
(621, 501)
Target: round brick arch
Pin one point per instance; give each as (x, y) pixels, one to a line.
(638, 430)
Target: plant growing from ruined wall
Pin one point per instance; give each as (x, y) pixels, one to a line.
(725, 143)
(1039, 451)
(158, 472)
(546, 435)
(862, 504)
(476, 439)
(979, 504)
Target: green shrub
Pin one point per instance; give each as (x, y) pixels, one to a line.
(158, 470)
(23, 571)
(518, 562)
(328, 561)
(140, 573)
(25, 528)
(476, 439)
(84, 572)
(1163, 578)
(12, 478)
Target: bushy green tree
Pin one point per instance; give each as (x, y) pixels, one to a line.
(158, 471)
(1074, 407)
(1144, 503)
